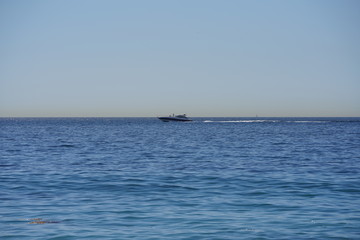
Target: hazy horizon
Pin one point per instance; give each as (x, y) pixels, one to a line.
(203, 58)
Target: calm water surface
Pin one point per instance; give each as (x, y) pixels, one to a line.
(214, 178)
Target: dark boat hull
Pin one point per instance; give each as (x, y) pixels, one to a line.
(174, 119)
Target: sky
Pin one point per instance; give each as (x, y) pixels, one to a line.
(140, 58)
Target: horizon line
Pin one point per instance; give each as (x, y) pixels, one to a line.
(191, 117)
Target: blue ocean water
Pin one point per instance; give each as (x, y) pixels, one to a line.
(214, 178)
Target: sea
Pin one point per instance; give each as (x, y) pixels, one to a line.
(213, 178)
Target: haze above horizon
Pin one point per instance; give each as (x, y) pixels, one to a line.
(205, 58)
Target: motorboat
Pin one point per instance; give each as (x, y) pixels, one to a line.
(175, 118)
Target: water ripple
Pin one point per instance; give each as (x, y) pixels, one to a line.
(143, 179)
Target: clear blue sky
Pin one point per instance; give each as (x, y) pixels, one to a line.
(200, 57)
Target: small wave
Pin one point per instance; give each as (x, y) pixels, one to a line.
(240, 121)
(7, 165)
(63, 146)
(307, 121)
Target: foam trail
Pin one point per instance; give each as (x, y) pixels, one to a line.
(260, 121)
(239, 121)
